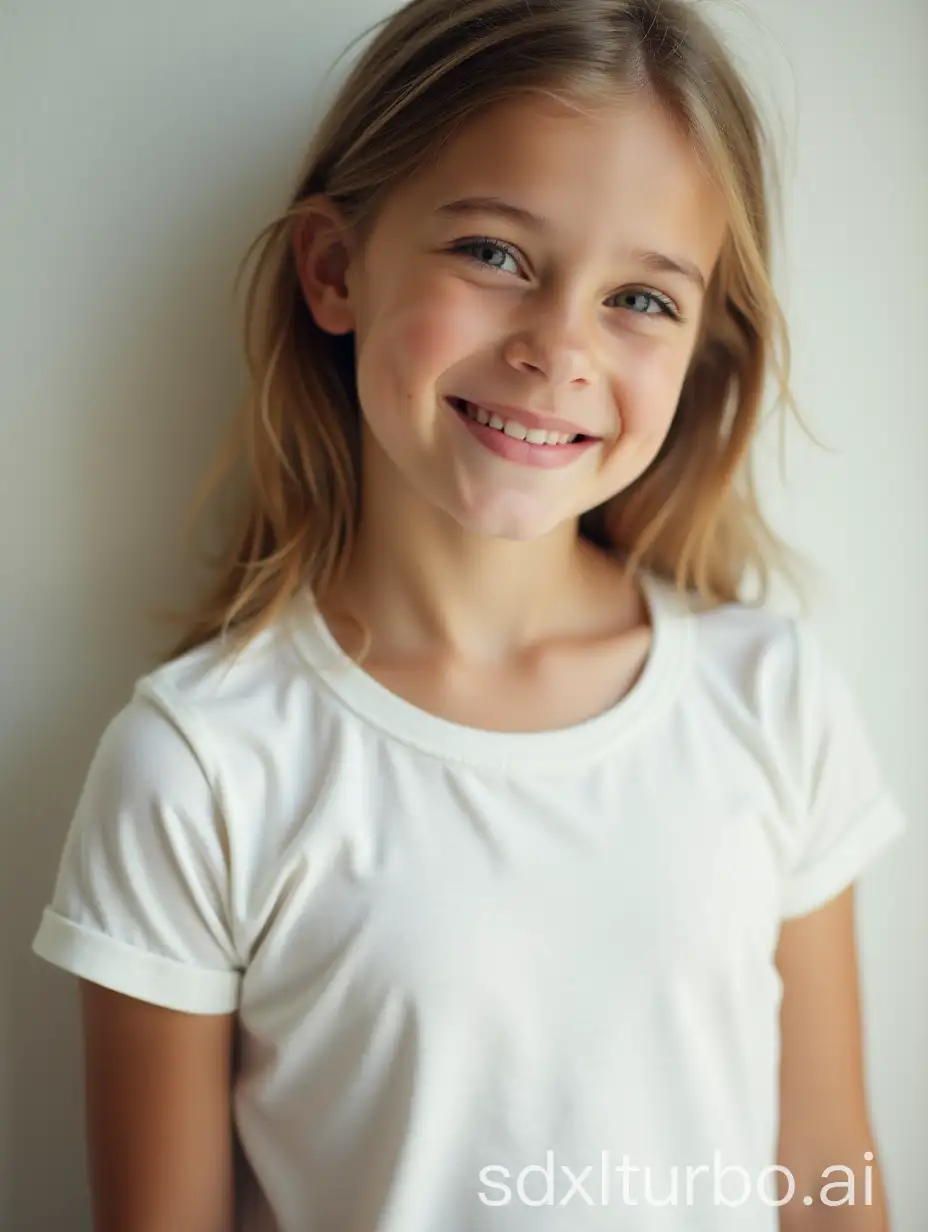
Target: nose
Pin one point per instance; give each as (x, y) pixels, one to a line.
(555, 344)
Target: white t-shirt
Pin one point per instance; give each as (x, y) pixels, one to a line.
(485, 980)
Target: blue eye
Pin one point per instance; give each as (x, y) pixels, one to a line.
(665, 306)
(487, 253)
(484, 250)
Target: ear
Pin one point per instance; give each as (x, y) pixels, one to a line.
(322, 250)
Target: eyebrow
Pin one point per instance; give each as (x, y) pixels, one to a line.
(657, 261)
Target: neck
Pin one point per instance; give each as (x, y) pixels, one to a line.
(421, 584)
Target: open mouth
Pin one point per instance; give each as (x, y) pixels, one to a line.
(511, 428)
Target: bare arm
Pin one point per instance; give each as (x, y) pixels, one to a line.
(824, 1117)
(159, 1128)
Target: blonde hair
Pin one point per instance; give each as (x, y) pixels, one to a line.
(693, 516)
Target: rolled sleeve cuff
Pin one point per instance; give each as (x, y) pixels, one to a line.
(813, 886)
(137, 973)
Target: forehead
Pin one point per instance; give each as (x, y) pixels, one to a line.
(614, 176)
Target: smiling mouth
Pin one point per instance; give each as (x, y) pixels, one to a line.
(514, 429)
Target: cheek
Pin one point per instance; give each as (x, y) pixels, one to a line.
(649, 386)
(422, 332)
(408, 343)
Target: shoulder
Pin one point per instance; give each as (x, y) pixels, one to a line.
(771, 676)
(224, 697)
(220, 673)
(186, 719)
(734, 645)
(214, 740)
(735, 635)
(762, 665)
(221, 731)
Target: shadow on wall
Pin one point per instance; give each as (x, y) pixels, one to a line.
(157, 382)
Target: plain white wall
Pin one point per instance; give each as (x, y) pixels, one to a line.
(144, 144)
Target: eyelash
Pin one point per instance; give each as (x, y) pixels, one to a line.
(464, 247)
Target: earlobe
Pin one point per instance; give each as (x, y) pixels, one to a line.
(322, 257)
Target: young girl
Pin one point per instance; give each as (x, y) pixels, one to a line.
(481, 859)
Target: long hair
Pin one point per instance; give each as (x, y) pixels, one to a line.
(693, 515)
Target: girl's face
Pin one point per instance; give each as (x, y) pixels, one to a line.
(548, 270)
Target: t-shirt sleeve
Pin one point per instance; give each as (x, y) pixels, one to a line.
(848, 815)
(141, 899)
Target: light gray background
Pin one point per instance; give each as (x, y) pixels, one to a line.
(143, 146)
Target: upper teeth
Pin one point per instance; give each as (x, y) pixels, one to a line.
(534, 436)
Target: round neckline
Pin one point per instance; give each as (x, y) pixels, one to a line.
(394, 716)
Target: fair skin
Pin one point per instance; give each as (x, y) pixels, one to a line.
(482, 604)
(468, 555)
(823, 1105)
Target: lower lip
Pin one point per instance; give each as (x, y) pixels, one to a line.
(522, 452)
